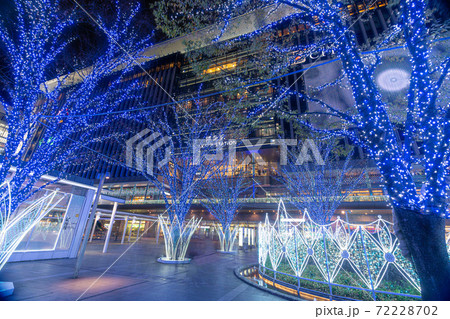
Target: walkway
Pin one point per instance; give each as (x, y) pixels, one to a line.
(136, 276)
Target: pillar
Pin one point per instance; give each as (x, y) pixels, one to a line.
(241, 237)
(131, 228)
(88, 226)
(111, 223)
(124, 230)
(139, 230)
(157, 233)
(97, 217)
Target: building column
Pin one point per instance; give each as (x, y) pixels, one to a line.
(131, 228)
(363, 31)
(124, 230)
(147, 225)
(97, 217)
(111, 223)
(157, 233)
(381, 19)
(139, 230)
(89, 225)
(241, 236)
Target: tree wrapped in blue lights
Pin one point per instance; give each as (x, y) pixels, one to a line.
(420, 216)
(223, 194)
(184, 158)
(52, 117)
(320, 187)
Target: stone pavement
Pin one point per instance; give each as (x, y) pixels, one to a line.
(136, 276)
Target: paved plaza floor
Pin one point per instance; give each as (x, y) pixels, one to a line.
(136, 275)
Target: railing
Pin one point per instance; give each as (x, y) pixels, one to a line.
(270, 200)
(301, 286)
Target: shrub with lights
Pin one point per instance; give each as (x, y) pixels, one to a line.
(336, 260)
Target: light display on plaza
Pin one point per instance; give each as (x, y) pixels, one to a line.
(15, 225)
(49, 142)
(371, 250)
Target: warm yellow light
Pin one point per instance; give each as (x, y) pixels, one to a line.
(216, 69)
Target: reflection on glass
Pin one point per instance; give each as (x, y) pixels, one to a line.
(70, 222)
(44, 236)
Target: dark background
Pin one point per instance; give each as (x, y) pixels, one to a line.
(89, 40)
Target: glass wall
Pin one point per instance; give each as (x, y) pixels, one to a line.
(55, 232)
(45, 235)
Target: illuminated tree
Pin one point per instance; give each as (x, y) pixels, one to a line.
(50, 122)
(224, 193)
(320, 187)
(420, 218)
(183, 163)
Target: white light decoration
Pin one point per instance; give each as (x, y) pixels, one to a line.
(177, 236)
(15, 225)
(370, 250)
(241, 237)
(226, 238)
(393, 80)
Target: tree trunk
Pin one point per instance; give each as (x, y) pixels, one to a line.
(424, 237)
